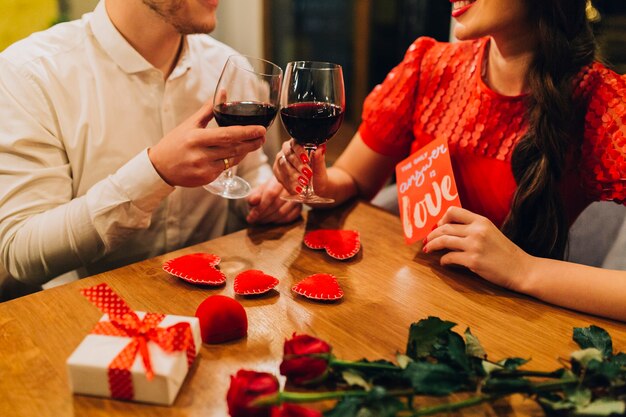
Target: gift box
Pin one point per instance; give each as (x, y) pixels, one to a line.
(133, 355)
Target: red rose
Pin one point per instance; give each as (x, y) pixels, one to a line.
(305, 359)
(290, 410)
(247, 386)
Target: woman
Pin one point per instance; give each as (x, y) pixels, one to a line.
(536, 132)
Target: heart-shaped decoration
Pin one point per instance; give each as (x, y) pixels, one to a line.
(197, 268)
(340, 244)
(253, 282)
(319, 287)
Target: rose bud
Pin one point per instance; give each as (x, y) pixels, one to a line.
(290, 410)
(245, 388)
(305, 360)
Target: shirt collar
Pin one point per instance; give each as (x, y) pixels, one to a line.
(112, 41)
(184, 60)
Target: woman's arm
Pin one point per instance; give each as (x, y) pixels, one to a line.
(476, 243)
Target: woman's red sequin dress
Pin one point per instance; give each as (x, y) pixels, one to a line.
(438, 91)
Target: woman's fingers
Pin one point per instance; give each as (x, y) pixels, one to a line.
(291, 169)
(458, 215)
(451, 229)
(447, 242)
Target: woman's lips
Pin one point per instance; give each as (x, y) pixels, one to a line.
(461, 6)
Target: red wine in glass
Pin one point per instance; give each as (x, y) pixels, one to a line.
(244, 113)
(312, 109)
(247, 93)
(311, 123)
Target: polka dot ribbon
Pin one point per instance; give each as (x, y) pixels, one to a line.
(125, 322)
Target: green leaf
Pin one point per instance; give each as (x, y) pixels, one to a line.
(424, 334)
(434, 378)
(451, 350)
(385, 407)
(353, 378)
(513, 363)
(602, 372)
(376, 393)
(403, 360)
(594, 337)
(578, 397)
(473, 346)
(586, 355)
(601, 407)
(619, 359)
(489, 367)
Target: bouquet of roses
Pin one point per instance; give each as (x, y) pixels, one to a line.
(438, 362)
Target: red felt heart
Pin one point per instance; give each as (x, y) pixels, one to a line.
(197, 268)
(319, 287)
(254, 281)
(340, 244)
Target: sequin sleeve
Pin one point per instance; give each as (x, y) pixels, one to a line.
(387, 118)
(604, 146)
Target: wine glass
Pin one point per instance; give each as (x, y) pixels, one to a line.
(246, 94)
(312, 109)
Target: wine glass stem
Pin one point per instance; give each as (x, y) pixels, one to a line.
(228, 178)
(308, 189)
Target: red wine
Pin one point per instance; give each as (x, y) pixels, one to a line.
(311, 123)
(244, 113)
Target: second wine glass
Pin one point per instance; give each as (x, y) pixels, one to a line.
(247, 93)
(312, 109)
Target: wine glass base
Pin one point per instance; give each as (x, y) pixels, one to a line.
(312, 199)
(232, 188)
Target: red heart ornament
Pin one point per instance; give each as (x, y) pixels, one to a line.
(254, 281)
(319, 287)
(340, 244)
(197, 268)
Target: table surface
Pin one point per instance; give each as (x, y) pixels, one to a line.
(387, 286)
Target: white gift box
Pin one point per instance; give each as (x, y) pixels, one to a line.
(88, 365)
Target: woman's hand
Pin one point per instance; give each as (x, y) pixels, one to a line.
(294, 170)
(266, 206)
(476, 243)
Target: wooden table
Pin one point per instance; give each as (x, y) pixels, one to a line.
(387, 286)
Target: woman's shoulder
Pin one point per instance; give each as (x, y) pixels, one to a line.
(604, 144)
(429, 53)
(597, 78)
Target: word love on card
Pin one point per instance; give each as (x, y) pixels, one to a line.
(426, 188)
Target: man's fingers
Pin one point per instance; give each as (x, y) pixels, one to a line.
(255, 196)
(228, 136)
(236, 151)
(203, 116)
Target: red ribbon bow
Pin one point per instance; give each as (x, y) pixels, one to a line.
(125, 322)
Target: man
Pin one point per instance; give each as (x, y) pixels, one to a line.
(103, 144)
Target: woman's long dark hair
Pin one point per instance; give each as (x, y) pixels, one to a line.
(537, 222)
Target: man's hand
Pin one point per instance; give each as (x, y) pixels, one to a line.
(267, 206)
(192, 155)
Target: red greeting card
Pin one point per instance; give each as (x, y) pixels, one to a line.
(426, 188)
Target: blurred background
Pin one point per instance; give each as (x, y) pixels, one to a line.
(367, 37)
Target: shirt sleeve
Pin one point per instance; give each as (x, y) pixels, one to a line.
(45, 229)
(604, 147)
(388, 110)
